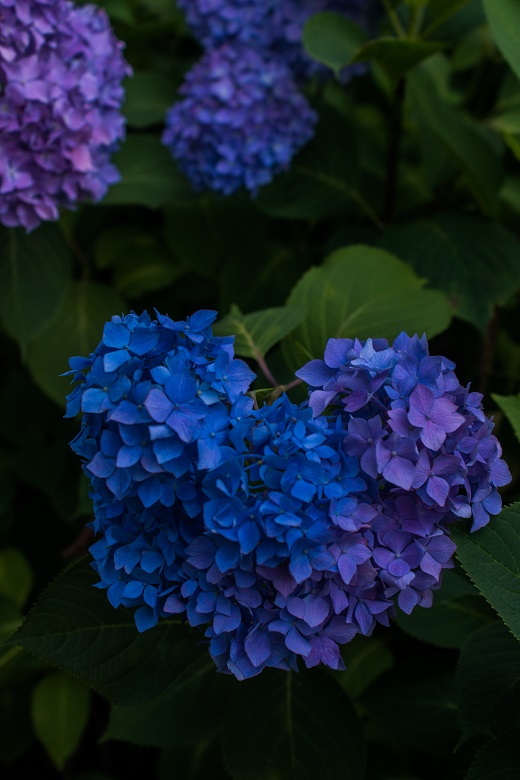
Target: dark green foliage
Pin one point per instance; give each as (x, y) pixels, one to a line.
(401, 213)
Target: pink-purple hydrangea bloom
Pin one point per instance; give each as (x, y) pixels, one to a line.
(61, 73)
(283, 531)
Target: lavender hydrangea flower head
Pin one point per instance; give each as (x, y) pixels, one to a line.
(273, 26)
(61, 73)
(214, 22)
(240, 122)
(287, 22)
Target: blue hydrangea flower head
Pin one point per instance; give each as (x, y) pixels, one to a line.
(214, 22)
(240, 122)
(287, 22)
(156, 398)
(273, 26)
(61, 73)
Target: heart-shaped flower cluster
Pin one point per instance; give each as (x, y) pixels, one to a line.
(61, 73)
(284, 530)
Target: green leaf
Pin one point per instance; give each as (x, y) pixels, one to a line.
(366, 659)
(498, 760)
(461, 137)
(510, 405)
(139, 273)
(148, 96)
(473, 261)
(397, 55)
(73, 626)
(408, 711)
(504, 20)
(10, 618)
(361, 292)
(491, 557)
(76, 330)
(16, 577)
(256, 333)
(187, 712)
(149, 175)
(323, 179)
(60, 708)
(332, 39)
(457, 612)
(34, 271)
(488, 676)
(288, 727)
(440, 10)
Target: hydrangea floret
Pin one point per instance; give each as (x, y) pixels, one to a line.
(61, 73)
(285, 530)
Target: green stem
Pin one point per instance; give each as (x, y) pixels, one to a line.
(396, 22)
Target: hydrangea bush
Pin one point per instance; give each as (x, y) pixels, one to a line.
(285, 542)
(61, 74)
(284, 530)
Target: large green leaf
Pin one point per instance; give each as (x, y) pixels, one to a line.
(411, 710)
(491, 557)
(504, 19)
(149, 176)
(498, 760)
(147, 97)
(75, 330)
(16, 577)
(287, 727)
(366, 659)
(332, 39)
(489, 681)
(60, 707)
(510, 405)
(256, 333)
(440, 10)
(397, 55)
(472, 260)
(457, 612)
(461, 137)
(361, 292)
(73, 626)
(188, 711)
(323, 179)
(34, 271)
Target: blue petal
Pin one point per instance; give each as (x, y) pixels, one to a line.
(145, 618)
(114, 360)
(116, 335)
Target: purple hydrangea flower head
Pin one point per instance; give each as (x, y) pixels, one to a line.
(412, 423)
(240, 122)
(61, 73)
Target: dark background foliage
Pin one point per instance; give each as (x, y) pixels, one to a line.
(413, 175)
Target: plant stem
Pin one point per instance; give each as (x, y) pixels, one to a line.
(396, 22)
(394, 148)
(488, 351)
(266, 370)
